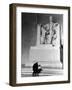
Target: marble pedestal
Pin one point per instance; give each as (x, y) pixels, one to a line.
(46, 56)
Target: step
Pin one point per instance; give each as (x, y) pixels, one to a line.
(45, 71)
(51, 64)
(30, 75)
(41, 74)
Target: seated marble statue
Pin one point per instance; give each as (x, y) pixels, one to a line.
(50, 36)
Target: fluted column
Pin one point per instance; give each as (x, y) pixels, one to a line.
(38, 34)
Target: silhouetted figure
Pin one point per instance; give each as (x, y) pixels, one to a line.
(36, 69)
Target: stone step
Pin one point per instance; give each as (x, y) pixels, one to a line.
(30, 75)
(55, 64)
(41, 74)
(44, 69)
(45, 72)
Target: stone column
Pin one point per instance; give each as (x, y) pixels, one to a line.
(38, 34)
(51, 24)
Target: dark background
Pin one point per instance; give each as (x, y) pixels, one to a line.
(29, 30)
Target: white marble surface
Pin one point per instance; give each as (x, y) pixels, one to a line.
(44, 54)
